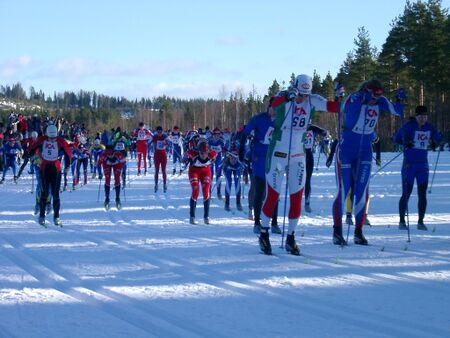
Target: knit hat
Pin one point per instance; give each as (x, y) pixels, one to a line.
(421, 110)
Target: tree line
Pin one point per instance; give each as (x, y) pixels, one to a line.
(414, 56)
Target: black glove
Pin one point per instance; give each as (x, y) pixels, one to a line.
(409, 145)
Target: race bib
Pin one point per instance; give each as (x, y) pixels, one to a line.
(268, 136)
(160, 145)
(367, 121)
(142, 135)
(50, 150)
(309, 139)
(421, 139)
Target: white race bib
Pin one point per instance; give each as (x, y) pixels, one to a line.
(50, 150)
(367, 121)
(421, 139)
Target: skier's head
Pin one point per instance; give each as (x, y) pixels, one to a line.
(233, 155)
(216, 132)
(159, 129)
(421, 115)
(141, 125)
(202, 146)
(373, 86)
(51, 131)
(303, 84)
(34, 135)
(12, 139)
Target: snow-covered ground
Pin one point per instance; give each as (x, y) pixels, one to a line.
(145, 271)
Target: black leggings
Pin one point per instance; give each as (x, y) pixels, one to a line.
(422, 200)
(309, 172)
(50, 183)
(258, 192)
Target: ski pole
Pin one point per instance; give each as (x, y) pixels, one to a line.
(318, 159)
(385, 165)
(32, 183)
(434, 171)
(99, 186)
(287, 173)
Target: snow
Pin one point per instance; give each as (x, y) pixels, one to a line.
(144, 271)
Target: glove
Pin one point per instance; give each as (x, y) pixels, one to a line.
(292, 94)
(401, 95)
(339, 90)
(366, 96)
(112, 161)
(409, 145)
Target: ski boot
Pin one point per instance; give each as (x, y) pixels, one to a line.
(257, 227)
(192, 220)
(118, 204)
(337, 237)
(239, 206)
(227, 207)
(275, 229)
(48, 208)
(206, 220)
(156, 188)
(174, 171)
(15, 179)
(41, 221)
(291, 246)
(359, 238)
(57, 221)
(402, 225)
(264, 243)
(2, 180)
(106, 204)
(308, 208)
(421, 226)
(165, 188)
(139, 172)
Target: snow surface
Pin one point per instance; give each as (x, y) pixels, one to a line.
(145, 271)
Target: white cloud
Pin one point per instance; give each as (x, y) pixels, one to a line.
(11, 67)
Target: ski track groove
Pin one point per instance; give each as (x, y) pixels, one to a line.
(138, 316)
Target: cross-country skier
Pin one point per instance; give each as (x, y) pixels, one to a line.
(232, 170)
(112, 162)
(142, 136)
(416, 135)
(176, 140)
(217, 144)
(310, 136)
(286, 153)
(354, 154)
(51, 147)
(10, 152)
(159, 141)
(261, 126)
(200, 158)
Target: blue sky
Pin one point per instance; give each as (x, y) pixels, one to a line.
(187, 49)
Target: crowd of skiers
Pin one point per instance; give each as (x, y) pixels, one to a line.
(273, 152)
